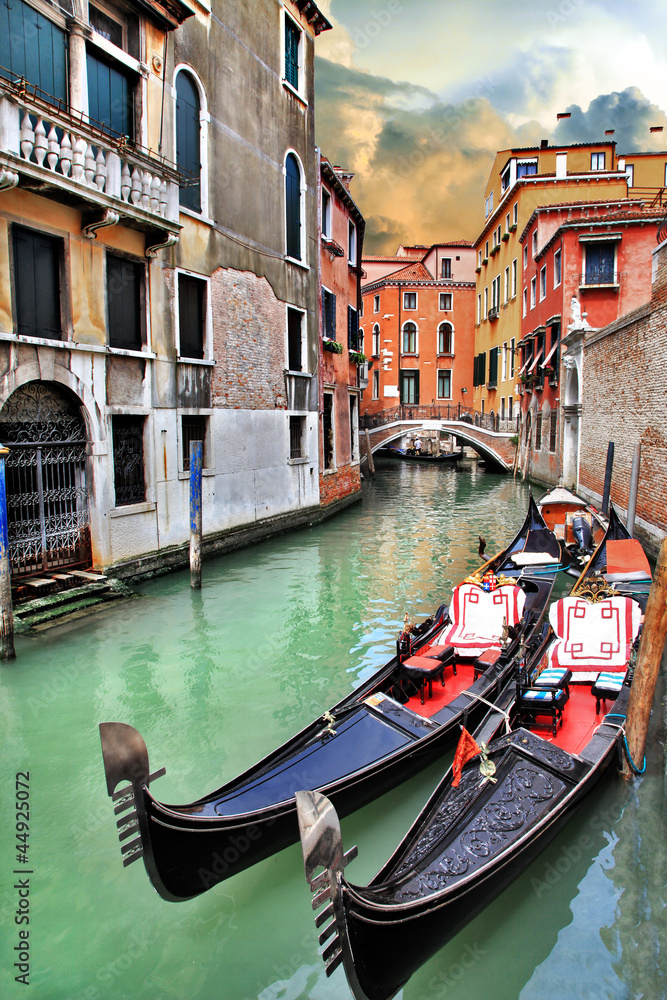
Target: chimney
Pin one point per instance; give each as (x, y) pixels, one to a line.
(344, 176)
(544, 143)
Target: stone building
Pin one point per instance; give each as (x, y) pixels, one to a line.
(342, 368)
(158, 275)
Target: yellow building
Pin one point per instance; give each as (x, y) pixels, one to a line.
(521, 181)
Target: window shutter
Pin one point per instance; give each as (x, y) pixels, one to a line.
(109, 96)
(292, 35)
(33, 47)
(124, 303)
(191, 316)
(37, 282)
(352, 329)
(188, 136)
(293, 207)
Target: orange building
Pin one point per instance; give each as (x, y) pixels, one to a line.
(586, 265)
(342, 371)
(418, 326)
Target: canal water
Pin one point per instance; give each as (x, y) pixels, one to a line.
(216, 679)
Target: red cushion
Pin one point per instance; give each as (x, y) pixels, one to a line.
(425, 663)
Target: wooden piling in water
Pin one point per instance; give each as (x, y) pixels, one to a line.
(7, 651)
(369, 454)
(651, 648)
(196, 449)
(634, 488)
(607, 478)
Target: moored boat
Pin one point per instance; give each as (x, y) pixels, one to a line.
(476, 835)
(414, 455)
(578, 524)
(397, 722)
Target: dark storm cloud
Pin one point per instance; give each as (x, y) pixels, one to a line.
(629, 113)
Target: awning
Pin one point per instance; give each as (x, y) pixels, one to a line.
(534, 364)
(549, 355)
(524, 367)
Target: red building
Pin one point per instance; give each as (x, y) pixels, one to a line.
(342, 372)
(418, 326)
(583, 266)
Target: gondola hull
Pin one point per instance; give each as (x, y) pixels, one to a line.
(365, 745)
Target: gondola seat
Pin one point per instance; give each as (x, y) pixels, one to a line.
(534, 702)
(607, 686)
(428, 666)
(477, 617)
(553, 677)
(593, 635)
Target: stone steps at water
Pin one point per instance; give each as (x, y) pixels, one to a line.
(43, 612)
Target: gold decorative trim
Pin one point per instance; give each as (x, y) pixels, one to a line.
(595, 591)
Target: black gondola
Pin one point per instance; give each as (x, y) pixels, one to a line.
(415, 455)
(471, 841)
(375, 738)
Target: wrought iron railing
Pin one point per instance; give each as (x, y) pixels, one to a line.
(430, 411)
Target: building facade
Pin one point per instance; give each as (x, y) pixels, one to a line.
(590, 270)
(418, 323)
(158, 282)
(342, 368)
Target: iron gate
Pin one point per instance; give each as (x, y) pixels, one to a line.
(47, 498)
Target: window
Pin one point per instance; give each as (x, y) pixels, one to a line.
(128, 459)
(479, 369)
(557, 268)
(486, 250)
(553, 430)
(506, 296)
(410, 387)
(502, 409)
(493, 366)
(600, 258)
(445, 301)
(125, 293)
(445, 339)
(376, 341)
(526, 168)
(191, 316)
(479, 252)
(328, 431)
(525, 257)
(514, 270)
(488, 205)
(630, 174)
(510, 407)
(503, 375)
(293, 207)
(108, 25)
(376, 384)
(515, 213)
(511, 360)
(352, 329)
(507, 223)
(597, 161)
(495, 293)
(37, 283)
(328, 314)
(479, 308)
(534, 243)
(486, 303)
(33, 47)
(538, 432)
(525, 301)
(188, 141)
(498, 236)
(352, 243)
(409, 300)
(110, 95)
(292, 52)
(533, 291)
(354, 428)
(376, 303)
(193, 428)
(326, 213)
(445, 383)
(505, 179)
(543, 282)
(409, 339)
(294, 340)
(297, 427)
(446, 267)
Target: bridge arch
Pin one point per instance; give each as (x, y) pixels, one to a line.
(495, 448)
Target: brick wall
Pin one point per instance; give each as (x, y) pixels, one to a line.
(249, 337)
(624, 401)
(337, 485)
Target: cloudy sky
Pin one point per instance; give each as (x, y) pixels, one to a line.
(416, 97)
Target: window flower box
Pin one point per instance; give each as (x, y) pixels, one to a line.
(332, 346)
(357, 357)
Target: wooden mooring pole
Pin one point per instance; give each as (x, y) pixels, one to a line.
(369, 454)
(196, 450)
(634, 488)
(651, 649)
(607, 478)
(7, 651)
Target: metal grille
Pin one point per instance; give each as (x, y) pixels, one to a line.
(128, 460)
(193, 429)
(47, 497)
(295, 429)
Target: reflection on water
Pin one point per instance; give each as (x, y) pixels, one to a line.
(213, 680)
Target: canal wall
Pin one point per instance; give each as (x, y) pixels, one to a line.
(219, 543)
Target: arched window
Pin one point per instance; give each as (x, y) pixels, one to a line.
(293, 206)
(188, 141)
(445, 339)
(410, 338)
(376, 341)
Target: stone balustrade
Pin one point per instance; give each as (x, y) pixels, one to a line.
(71, 154)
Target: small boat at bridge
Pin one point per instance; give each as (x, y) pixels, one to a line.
(413, 455)
(397, 722)
(506, 795)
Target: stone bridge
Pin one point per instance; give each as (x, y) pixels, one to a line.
(496, 448)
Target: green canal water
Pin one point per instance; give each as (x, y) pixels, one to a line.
(216, 679)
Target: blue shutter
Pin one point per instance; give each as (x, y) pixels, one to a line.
(293, 206)
(292, 37)
(33, 47)
(109, 97)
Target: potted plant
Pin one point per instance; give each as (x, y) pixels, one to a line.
(332, 346)
(357, 357)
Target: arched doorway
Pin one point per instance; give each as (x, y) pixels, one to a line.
(47, 495)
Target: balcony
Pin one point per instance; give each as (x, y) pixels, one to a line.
(301, 391)
(46, 149)
(494, 312)
(602, 277)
